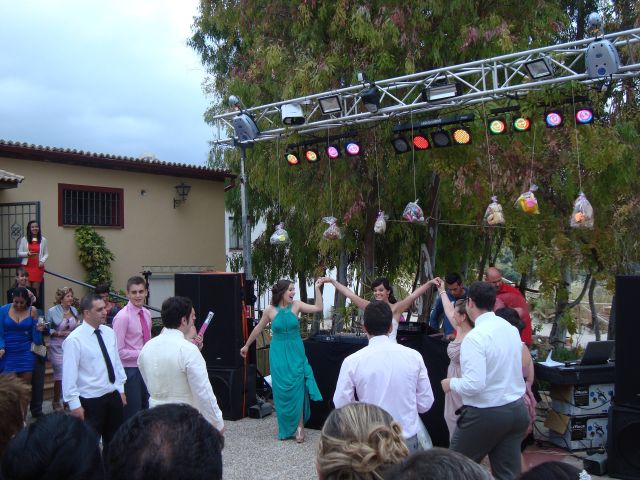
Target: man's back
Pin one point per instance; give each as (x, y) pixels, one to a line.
(390, 376)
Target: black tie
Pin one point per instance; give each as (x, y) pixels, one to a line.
(105, 354)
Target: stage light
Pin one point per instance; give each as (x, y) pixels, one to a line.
(352, 148)
(440, 92)
(497, 126)
(521, 124)
(554, 118)
(330, 104)
(540, 68)
(371, 99)
(292, 158)
(292, 114)
(584, 115)
(311, 155)
(420, 141)
(441, 138)
(461, 136)
(400, 144)
(332, 151)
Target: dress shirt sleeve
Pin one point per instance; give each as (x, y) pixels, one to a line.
(70, 365)
(120, 325)
(473, 366)
(424, 394)
(201, 390)
(345, 388)
(438, 310)
(121, 376)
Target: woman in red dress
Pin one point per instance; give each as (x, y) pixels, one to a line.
(33, 250)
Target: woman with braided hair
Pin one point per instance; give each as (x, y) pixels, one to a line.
(359, 442)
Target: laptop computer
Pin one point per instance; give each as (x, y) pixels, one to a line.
(596, 353)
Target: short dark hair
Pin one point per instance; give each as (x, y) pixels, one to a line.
(14, 397)
(453, 277)
(511, 316)
(87, 302)
(136, 280)
(173, 309)
(168, 441)
(103, 288)
(55, 447)
(554, 469)
(377, 318)
(483, 295)
(437, 464)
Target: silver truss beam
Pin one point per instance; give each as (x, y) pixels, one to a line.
(482, 80)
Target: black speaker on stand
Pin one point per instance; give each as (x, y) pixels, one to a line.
(624, 416)
(232, 379)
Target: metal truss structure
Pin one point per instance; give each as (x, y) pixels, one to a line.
(481, 81)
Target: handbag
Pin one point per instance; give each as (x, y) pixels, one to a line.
(40, 350)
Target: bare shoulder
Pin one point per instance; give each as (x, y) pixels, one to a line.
(270, 312)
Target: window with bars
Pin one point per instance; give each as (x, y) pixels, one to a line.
(89, 205)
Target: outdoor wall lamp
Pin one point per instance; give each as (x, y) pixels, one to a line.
(183, 192)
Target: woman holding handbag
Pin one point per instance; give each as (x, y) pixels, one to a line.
(20, 335)
(63, 318)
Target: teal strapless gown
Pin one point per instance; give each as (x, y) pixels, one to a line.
(291, 375)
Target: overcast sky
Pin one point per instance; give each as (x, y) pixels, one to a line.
(104, 76)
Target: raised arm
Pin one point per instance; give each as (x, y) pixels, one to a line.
(317, 306)
(444, 298)
(404, 304)
(357, 301)
(266, 318)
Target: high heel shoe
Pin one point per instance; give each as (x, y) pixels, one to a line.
(299, 435)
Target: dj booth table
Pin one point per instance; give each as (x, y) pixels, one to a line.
(326, 353)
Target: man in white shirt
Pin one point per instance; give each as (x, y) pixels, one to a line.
(493, 419)
(386, 374)
(173, 368)
(93, 380)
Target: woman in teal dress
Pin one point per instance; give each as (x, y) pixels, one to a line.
(291, 375)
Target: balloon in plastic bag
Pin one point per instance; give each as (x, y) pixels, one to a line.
(413, 212)
(527, 201)
(493, 215)
(582, 216)
(333, 231)
(280, 236)
(381, 223)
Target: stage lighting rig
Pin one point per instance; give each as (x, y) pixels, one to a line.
(243, 124)
(330, 104)
(292, 114)
(601, 56)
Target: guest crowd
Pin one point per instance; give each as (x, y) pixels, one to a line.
(129, 406)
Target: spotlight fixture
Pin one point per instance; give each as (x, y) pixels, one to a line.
(420, 141)
(601, 57)
(441, 138)
(311, 155)
(292, 158)
(400, 144)
(554, 118)
(352, 148)
(371, 99)
(292, 114)
(521, 124)
(584, 115)
(243, 124)
(461, 136)
(332, 151)
(440, 92)
(497, 126)
(540, 68)
(330, 104)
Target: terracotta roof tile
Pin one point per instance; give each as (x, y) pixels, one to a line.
(6, 176)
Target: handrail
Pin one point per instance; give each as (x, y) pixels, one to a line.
(92, 287)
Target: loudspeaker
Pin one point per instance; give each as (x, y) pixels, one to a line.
(627, 333)
(624, 446)
(222, 294)
(235, 390)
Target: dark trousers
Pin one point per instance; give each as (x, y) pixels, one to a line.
(495, 431)
(37, 386)
(104, 415)
(136, 391)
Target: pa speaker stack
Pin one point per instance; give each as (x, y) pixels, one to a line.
(233, 380)
(624, 415)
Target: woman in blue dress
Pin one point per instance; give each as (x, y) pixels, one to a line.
(291, 375)
(18, 328)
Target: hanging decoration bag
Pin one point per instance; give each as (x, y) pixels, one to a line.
(527, 201)
(381, 223)
(413, 212)
(333, 231)
(582, 215)
(280, 236)
(493, 215)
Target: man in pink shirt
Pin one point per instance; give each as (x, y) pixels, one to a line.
(132, 326)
